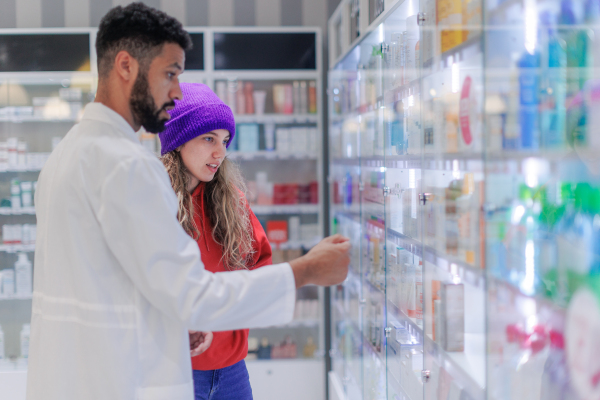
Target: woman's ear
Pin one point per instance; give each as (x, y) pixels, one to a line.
(178, 149)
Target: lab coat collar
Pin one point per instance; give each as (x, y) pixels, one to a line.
(99, 112)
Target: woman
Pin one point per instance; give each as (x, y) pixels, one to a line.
(214, 211)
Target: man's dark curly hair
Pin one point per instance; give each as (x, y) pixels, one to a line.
(138, 29)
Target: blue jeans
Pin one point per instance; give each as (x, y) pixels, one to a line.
(229, 383)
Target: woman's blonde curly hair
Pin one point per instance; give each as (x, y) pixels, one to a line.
(224, 199)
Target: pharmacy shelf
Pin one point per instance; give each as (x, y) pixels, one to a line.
(277, 118)
(509, 161)
(351, 162)
(400, 92)
(466, 272)
(471, 162)
(277, 209)
(351, 213)
(15, 248)
(463, 51)
(17, 211)
(533, 162)
(31, 118)
(468, 367)
(296, 245)
(8, 366)
(514, 290)
(270, 155)
(265, 75)
(337, 119)
(15, 298)
(353, 388)
(367, 344)
(299, 323)
(395, 383)
(397, 313)
(25, 168)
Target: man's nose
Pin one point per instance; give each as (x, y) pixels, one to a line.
(176, 93)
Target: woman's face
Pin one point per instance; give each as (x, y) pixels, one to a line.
(204, 154)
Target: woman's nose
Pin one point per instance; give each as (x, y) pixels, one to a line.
(220, 153)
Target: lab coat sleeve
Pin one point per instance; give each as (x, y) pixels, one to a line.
(137, 214)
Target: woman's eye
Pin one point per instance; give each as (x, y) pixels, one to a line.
(208, 139)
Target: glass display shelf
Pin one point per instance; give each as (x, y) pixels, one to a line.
(270, 155)
(285, 209)
(277, 118)
(17, 211)
(469, 130)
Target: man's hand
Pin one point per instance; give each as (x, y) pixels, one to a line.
(325, 264)
(199, 342)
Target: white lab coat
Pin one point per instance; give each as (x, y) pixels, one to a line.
(117, 281)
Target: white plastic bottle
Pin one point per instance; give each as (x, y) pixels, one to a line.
(15, 194)
(26, 194)
(2, 354)
(23, 276)
(8, 282)
(25, 334)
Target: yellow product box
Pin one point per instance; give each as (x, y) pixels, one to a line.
(454, 20)
(441, 7)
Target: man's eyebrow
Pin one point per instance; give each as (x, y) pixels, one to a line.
(176, 65)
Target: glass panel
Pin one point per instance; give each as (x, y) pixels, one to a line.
(542, 198)
(345, 214)
(194, 58)
(372, 185)
(45, 52)
(260, 51)
(452, 187)
(401, 120)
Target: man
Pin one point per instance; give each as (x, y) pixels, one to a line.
(118, 283)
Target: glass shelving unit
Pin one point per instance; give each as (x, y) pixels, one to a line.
(462, 165)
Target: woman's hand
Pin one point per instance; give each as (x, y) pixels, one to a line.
(199, 342)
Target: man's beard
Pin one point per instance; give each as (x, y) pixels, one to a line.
(144, 108)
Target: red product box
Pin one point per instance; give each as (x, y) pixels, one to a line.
(337, 197)
(314, 192)
(285, 193)
(277, 231)
(304, 194)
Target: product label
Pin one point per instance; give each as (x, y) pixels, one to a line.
(465, 126)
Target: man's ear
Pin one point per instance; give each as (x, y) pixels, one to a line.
(126, 66)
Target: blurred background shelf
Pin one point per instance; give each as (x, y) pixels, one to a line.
(285, 209)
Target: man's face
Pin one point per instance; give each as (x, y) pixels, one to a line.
(155, 90)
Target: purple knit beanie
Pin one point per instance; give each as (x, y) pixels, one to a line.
(200, 111)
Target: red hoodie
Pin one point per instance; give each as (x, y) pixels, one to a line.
(228, 347)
